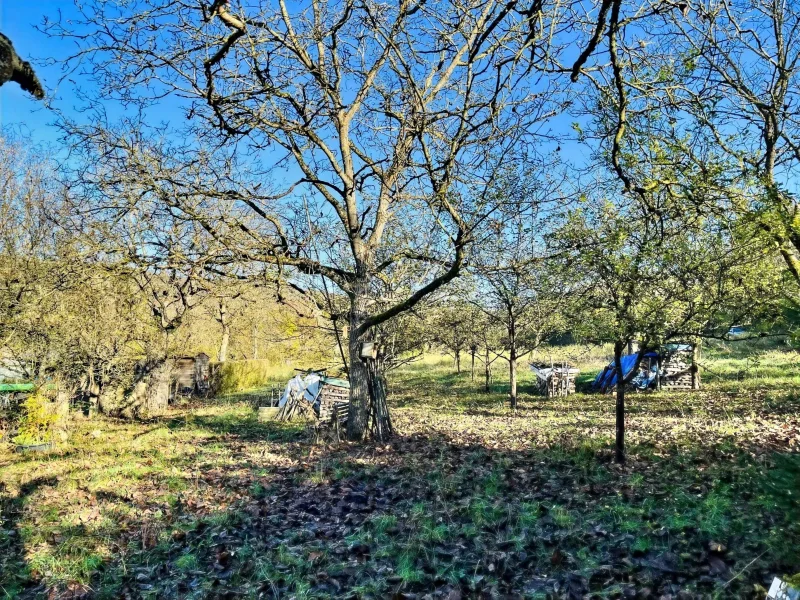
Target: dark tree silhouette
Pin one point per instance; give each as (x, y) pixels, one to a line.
(13, 68)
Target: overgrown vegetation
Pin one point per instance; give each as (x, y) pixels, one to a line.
(469, 500)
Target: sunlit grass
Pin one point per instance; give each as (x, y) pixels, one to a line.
(121, 498)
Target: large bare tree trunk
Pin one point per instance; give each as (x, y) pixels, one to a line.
(619, 446)
(368, 414)
(358, 414)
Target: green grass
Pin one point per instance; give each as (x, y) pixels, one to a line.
(208, 501)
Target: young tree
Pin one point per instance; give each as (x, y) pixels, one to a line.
(517, 287)
(659, 278)
(526, 304)
(453, 322)
(388, 123)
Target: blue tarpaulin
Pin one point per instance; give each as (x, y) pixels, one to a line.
(608, 376)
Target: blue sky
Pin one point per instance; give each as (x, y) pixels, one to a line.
(18, 20)
(20, 113)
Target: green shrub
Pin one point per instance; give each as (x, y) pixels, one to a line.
(37, 420)
(238, 375)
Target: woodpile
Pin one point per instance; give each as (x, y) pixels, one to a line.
(331, 400)
(296, 407)
(554, 381)
(676, 373)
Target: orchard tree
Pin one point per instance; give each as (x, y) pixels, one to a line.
(703, 87)
(453, 323)
(517, 284)
(525, 303)
(660, 278)
(741, 90)
(379, 127)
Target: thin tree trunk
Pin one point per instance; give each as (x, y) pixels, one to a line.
(223, 345)
(487, 372)
(512, 357)
(619, 447)
(472, 353)
(458, 361)
(512, 368)
(223, 320)
(695, 369)
(255, 341)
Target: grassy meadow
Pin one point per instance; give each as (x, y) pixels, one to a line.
(467, 501)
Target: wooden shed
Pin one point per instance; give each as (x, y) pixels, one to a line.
(190, 374)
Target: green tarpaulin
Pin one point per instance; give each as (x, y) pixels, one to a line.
(16, 387)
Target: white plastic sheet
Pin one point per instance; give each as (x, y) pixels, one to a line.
(302, 386)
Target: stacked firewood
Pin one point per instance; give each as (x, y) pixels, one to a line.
(676, 373)
(330, 399)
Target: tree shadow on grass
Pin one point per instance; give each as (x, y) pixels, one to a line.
(14, 572)
(245, 429)
(434, 513)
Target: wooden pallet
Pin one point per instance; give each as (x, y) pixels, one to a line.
(335, 423)
(330, 399)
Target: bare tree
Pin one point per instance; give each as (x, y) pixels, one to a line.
(515, 283)
(387, 122)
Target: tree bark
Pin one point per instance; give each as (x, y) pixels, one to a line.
(512, 357)
(487, 372)
(695, 369)
(368, 414)
(223, 345)
(472, 351)
(357, 415)
(619, 446)
(458, 361)
(512, 368)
